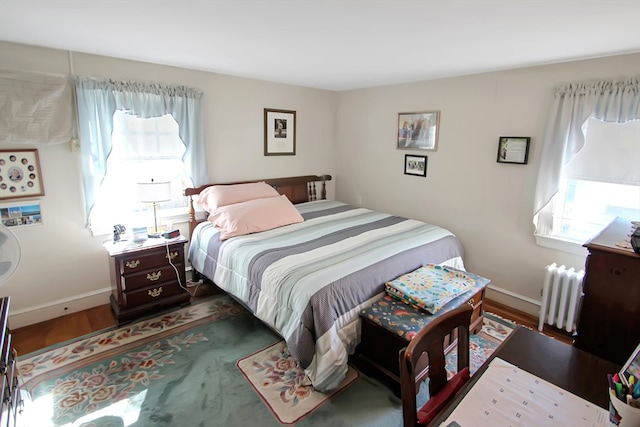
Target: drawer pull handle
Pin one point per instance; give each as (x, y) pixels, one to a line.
(133, 263)
(470, 302)
(155, 292)
(154, 276)
(171, 256)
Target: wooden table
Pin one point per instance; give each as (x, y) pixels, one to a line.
(572, 369)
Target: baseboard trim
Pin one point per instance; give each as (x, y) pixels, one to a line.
(515, 300)
(515, 295)
(40, 313)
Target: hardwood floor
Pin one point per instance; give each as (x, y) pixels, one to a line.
(35, 337)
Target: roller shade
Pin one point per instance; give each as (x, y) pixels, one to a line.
(35, 108)
(611, 153)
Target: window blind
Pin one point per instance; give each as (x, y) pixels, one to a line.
(35, 108)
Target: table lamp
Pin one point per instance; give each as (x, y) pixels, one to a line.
(154, 193)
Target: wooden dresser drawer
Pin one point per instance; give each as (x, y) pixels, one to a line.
(152, 293)
(154, 276)
(150, 259)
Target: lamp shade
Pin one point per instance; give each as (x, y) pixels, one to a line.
(154, 192)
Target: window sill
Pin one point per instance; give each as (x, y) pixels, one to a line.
(180, 217)
(557, 244)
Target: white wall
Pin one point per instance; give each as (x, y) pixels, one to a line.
(486, 204)
(64, 268)
(350, 135)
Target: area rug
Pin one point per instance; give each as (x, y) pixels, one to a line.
(286, 391)
(481, 345)
(283, 386)
(179, 369)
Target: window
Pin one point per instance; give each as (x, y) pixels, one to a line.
(600, 183)
(143, 149)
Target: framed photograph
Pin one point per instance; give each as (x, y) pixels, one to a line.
(513, 149)
(279, 132)
(21, 214)
(418, 131)
(415, 165)
(631, 367)
(20, 174)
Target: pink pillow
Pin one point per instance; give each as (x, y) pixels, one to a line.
(216, 196)
(254, 216)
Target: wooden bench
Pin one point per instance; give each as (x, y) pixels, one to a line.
(389, 324)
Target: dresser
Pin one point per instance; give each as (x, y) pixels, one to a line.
(11, 396)
(147, 278)
(609, 320)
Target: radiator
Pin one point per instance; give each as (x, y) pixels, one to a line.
(561, 297)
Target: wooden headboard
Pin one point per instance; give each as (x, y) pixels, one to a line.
(298, 189)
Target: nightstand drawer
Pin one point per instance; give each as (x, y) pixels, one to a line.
(150, 259)
(152, 293)
(154, 276)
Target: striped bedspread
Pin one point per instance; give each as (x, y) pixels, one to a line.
(308, 281)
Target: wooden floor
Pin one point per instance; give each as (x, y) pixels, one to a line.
(34, 337)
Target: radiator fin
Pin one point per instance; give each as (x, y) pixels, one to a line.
(561, 297)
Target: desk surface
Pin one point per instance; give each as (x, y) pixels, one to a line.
(565, 366)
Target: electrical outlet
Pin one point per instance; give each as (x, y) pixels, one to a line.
(359, 200)
(75, 144)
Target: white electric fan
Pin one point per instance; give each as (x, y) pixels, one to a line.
(9, 253)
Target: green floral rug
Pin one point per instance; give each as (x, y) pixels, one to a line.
(179, 370)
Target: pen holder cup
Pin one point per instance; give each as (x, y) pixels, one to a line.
(621, 414)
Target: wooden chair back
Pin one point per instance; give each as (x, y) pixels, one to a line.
(432, 339)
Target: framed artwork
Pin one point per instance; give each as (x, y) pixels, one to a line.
(20, 174)
(415, 165)
(21, 214)
(513, 149)
(418, 131)
(279, 132)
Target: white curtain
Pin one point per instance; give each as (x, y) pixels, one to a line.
(99, 99)
(574, 104)
(35, 108)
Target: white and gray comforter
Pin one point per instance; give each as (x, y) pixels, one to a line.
(308, 281)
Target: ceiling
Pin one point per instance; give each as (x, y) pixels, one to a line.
(331, 44)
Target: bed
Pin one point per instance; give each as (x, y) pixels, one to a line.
(309, 279)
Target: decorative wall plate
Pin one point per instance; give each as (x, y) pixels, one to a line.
(20, 174)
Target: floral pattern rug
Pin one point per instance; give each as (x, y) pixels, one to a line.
(179, 368)
(96, 372)
(283, 386)
(494, 330)
(285, 389)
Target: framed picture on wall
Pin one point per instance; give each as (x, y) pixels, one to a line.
(415, 165)
(513, 149)
(418, 131)
(21, 214)
(279, 132)
(20, 174)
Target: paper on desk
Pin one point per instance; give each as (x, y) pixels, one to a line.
(505, 395)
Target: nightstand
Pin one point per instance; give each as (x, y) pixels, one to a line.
(146, 277)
